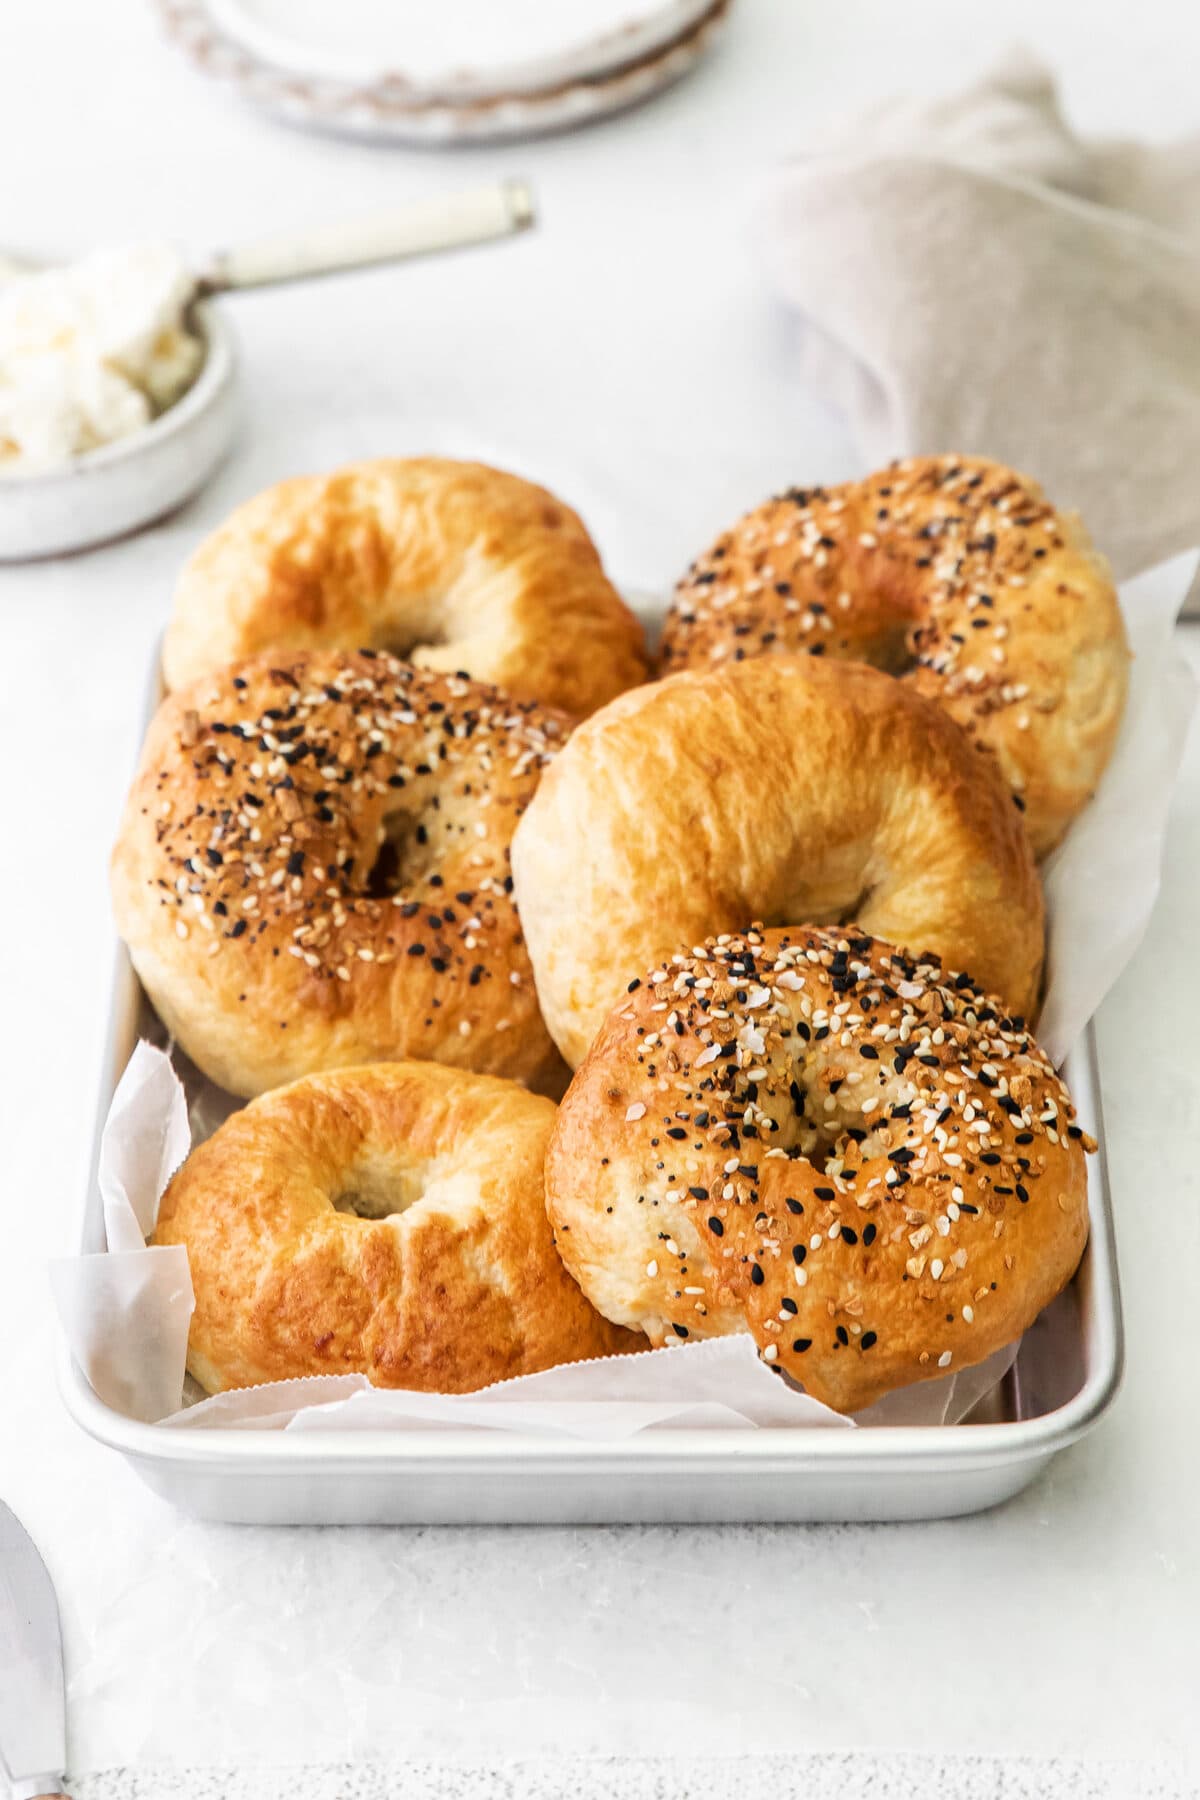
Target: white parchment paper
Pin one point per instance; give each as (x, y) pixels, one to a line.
(126, 1311)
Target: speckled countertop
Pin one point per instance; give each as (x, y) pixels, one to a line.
(625, 352)
(831, 1777)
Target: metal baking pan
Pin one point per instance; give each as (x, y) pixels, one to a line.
(1064, 1379)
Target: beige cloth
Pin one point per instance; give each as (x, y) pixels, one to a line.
(975, 277)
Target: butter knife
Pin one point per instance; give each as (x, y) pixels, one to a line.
(421, 228)
(32, 1706)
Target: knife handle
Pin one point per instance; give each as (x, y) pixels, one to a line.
(421, 228)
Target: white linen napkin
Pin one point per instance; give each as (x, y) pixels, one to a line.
(973, 276)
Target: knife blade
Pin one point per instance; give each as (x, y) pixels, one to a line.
(32, 1705)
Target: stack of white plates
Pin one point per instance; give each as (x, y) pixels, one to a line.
(437, 71)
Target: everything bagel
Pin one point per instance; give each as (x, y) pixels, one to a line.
(848, 1152)
(387, 1221)
(451, 565)
(313, 870)
(784, 789)
(952, 572)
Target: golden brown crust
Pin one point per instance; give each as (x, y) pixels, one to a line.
(458, 1287)
(783, 789)
(453, 565)
(313, 870)
(954, 572)
(811, 1137)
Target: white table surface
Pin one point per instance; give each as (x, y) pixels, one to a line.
(628, 353)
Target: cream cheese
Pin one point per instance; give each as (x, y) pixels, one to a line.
(91, 352)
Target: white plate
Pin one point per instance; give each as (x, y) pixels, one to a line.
(390, 110)
(456, 49)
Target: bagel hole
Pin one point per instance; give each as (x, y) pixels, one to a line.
(848, 882)
(838, 913)
(892, 652)
(850, 915)
(375, 1192)
(406, 645)
(403, 857)
(822, 1137)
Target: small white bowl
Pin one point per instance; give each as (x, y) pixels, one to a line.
(117, 489)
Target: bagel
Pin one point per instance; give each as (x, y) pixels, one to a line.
(956, 574)
(452, 565)
(387, 1221)
(313, 870)
(811, 1137)
(783, 789)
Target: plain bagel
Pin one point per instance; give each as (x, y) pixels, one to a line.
(312, 870)
(784, 789)
(455, 566)
(956, 574)
(847, 1152)
(387, 1221)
